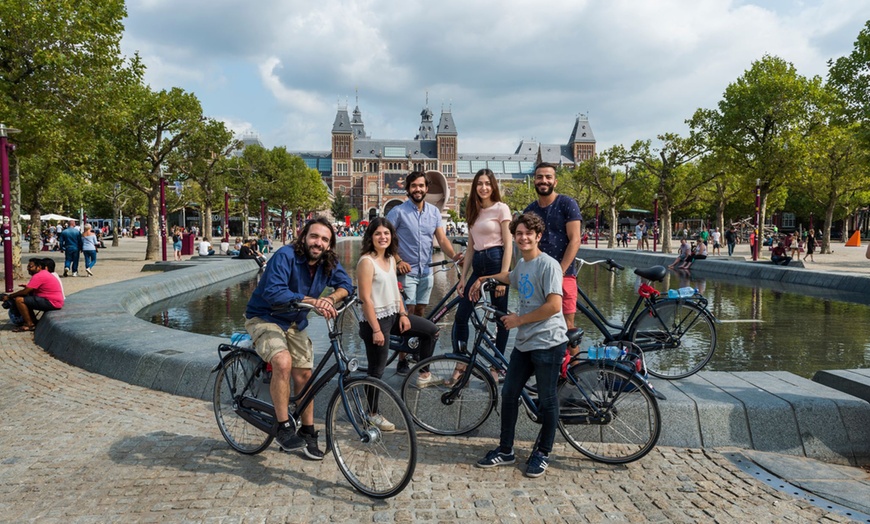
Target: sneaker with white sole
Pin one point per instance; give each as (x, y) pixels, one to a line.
(288, 439)
(431, 380)
(381, 423)
(90, 273)
(538, 463)
(497, 458)
(311, 450)
(66, 271)
(75, 273)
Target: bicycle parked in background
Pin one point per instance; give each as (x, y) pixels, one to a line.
(378, 464)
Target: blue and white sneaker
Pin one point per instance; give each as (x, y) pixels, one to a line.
(496, 458)
(538, 463)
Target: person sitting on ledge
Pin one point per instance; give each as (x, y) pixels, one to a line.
(42, 293)
(682, 254)
(205, 249)
(778, 256)
(699, 252)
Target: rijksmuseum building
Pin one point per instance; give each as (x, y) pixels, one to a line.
(371, 172)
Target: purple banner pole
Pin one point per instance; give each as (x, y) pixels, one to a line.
(5, 148)
(163, 216)
(226, 214)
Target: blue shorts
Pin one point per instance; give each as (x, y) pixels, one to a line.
(417, 289)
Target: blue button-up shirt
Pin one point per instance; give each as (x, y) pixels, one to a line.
(288, 278)
(416, 231)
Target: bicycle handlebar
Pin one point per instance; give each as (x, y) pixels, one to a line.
(346, 302)
(611, 265)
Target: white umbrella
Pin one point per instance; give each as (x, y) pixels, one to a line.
(52, 216)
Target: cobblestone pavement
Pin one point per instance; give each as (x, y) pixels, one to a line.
(79, 447)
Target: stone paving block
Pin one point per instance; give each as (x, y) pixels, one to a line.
(721, 417)
(772, 424)
(822, 430)
(679, 416)
(855, 382)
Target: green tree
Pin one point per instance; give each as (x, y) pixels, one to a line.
(760, 125)
(850, 77)
(340, 206)
(197, 159)
(153, 128)
(661, 165)
(56, 56)
(610, 187)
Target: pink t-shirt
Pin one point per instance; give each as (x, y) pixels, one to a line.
(486, 231)
(48, 287)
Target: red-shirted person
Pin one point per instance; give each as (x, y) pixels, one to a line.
(42, 293)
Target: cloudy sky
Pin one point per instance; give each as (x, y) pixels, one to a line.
(509, 69)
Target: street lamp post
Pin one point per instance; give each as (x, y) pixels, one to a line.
(262, 215)
(755, 248)
(5, 149)
(596, 225)
(226, 214)
(655, 223)
(163, 215)
(283, 225)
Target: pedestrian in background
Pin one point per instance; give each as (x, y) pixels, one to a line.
(89, 248)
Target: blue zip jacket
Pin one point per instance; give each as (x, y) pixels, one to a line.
(287, 278)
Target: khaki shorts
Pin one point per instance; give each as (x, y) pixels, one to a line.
(269, 340)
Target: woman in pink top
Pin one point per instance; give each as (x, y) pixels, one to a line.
(490, 241)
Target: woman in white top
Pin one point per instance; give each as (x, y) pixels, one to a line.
(89, 248)
(384, 311)
(490, 240)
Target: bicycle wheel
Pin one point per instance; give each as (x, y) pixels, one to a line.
(442, 410)
(625, 427)
(677, 341)
(377, 463)
(242, 374)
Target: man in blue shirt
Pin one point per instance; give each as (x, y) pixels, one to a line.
(561, 238)
(417, 222)
(298, 272)
(70, 240)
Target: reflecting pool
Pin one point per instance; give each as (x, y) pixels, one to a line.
(764, 326)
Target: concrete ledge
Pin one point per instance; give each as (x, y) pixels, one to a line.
(855, 382)
(780, 412)
(97, 330)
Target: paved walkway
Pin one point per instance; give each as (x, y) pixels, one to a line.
(82, 447)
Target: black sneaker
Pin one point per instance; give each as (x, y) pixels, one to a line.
(288, 439)
(538, 463)
(496, 458)
(311, 450)
(403, 368)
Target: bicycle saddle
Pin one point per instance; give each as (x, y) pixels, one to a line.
(574, 337)
(656, 273)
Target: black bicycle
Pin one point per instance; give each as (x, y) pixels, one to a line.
(378, 464)
(607, 411)
(676, 335)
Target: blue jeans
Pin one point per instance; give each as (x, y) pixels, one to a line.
(486, 262)
(90, 258)
(545, 364)
(71, 260)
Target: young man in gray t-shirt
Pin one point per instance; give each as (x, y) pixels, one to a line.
(541, 342)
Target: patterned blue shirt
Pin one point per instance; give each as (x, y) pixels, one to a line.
(416, 232)
(556, 216)
(288, 278)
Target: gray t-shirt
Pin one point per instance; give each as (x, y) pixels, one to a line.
(534, 281)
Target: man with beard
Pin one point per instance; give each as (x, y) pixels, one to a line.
(417, 222)
(297, 272)
(561, 238)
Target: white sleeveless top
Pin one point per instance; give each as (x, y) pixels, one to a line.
(385, 288)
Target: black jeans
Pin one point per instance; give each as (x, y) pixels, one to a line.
(486, 262)
(545, 364)
(377, 356)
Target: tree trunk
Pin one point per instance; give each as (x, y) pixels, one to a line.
(116, 210)
(15, 203)
(614, 225)
(35, 230)
(206, 220)
(826, 232)
(152, 249)
(665, 232)
(246, 230)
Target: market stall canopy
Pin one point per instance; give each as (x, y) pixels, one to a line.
(48, 216)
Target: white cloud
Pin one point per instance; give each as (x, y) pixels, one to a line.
(509, 68)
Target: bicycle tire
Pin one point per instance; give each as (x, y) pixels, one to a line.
(382, 464)
(232, 377)
(628, 424)
(433, 411)
(676, 342)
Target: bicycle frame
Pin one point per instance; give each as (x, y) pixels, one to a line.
(250, 408)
